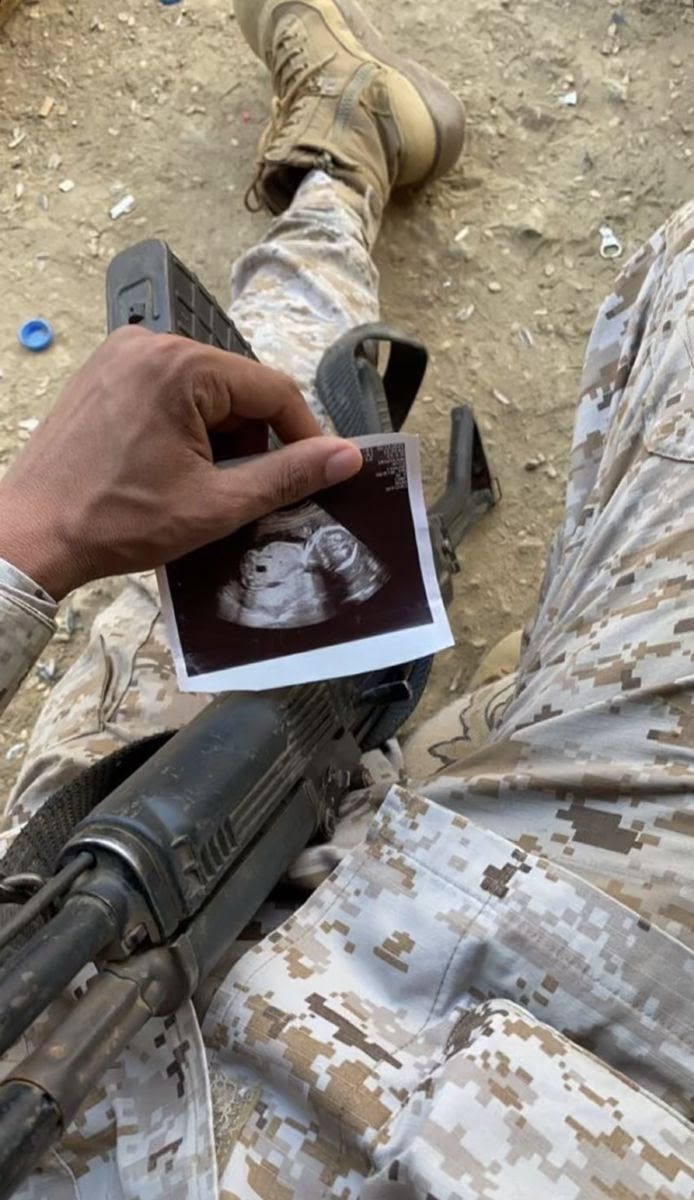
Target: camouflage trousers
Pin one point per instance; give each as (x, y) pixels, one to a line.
(489, 991)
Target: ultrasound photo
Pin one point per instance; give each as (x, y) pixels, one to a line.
(335, 585)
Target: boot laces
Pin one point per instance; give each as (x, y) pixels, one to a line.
(295, 81)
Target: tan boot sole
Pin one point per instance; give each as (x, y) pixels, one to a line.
(444, 110)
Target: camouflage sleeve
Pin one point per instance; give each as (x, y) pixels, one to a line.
(27, 624)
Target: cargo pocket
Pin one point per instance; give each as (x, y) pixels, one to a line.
(517, 1109)
(670, 433)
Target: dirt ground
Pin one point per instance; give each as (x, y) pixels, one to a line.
(497, 267)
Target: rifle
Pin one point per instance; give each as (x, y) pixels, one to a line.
(155, 881)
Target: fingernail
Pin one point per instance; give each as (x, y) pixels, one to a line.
(342, 465)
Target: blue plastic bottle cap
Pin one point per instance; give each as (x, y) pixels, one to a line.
(168, 1)
(35, 334)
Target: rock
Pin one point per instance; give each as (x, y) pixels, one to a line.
(532, 224)
(617, 90)
(529, 545)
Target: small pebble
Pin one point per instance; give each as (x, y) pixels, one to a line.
(530, 543)
(66, 185)
(617, 91)
(493, 286)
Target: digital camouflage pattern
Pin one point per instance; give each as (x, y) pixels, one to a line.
(592, 764)
(489, 994)
(27, 614)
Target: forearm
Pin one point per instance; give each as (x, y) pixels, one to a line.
(27, 624)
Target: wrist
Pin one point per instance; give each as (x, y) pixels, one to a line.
(39, 552)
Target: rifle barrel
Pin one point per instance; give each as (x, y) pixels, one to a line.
(47, 963)
(31, 1122)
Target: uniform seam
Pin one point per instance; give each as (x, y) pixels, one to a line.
(684, 1038)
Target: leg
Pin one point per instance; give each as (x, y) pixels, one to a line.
(357, 1020)
(592, 763)
(309, 279)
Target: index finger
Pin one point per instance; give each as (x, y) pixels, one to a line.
(231, 388)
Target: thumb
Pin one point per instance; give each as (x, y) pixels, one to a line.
(281, 477)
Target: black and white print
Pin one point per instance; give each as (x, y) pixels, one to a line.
(302, 566)
(338, 584)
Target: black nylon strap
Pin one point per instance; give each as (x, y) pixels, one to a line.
(38, 844)
(359, 401)
(356, 397)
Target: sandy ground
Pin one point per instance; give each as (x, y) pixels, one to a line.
(497, 267)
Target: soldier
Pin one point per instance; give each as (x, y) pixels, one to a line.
(489, 993)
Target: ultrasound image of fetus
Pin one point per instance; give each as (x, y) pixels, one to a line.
(302, 568)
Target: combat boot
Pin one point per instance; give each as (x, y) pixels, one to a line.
(344, 102)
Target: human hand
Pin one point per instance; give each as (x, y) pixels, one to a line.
(119, 476)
